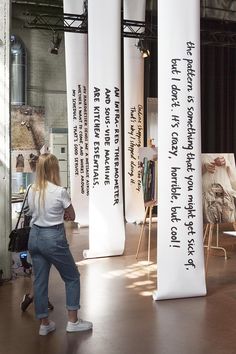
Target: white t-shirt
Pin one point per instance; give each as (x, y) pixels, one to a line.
(52, 211)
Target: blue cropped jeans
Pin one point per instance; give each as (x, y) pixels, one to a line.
(48, 246)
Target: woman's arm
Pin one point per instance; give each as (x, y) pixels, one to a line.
(69, 214)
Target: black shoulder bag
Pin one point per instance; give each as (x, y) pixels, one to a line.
(19, 236)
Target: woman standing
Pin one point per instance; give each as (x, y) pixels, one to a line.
(49, 206)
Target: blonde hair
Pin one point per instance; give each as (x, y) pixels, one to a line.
(47, 170)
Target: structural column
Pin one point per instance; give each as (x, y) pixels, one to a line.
(5, 209)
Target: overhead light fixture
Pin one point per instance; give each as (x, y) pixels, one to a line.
(145, 53)
(55, 44)
(143, 47)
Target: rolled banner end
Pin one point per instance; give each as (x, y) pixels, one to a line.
(157, 295)
(154, 295)
(81, 225)
(101, 253)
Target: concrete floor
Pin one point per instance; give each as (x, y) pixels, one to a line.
(117, 298)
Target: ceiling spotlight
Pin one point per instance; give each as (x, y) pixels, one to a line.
(145, 53)
(142, 46)
(55, 44)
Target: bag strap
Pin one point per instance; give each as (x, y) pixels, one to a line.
(22, 208)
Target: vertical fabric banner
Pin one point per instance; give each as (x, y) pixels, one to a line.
(180, 226)
(5, 202)
(106, 221)
(133, 115)
(77, 111)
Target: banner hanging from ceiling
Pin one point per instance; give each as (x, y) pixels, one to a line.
(5, 176)
(133, 114)
(106, 221)
(77, 112)
(180, 255)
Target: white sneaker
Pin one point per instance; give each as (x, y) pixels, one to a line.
(45, 329)
(80, 325)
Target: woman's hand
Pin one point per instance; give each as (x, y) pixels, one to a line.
(69, 214)
(66, 216)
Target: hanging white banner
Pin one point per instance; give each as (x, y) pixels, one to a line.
(5, 153)
(180, 227)
(77, 111)
(133, 115)
(106, 221)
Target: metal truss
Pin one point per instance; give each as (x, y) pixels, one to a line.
(57, 22)
(66, 22)
(218, 39)
(214, 32)
(139, 29)
(218, 33)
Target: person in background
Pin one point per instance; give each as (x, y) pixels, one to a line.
(219, 169)
(219, 188)
(49, 205)
(28, 298)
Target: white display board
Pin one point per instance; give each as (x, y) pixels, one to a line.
(106, 221)
(77, 113)
(133, 115)
(180, 258)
